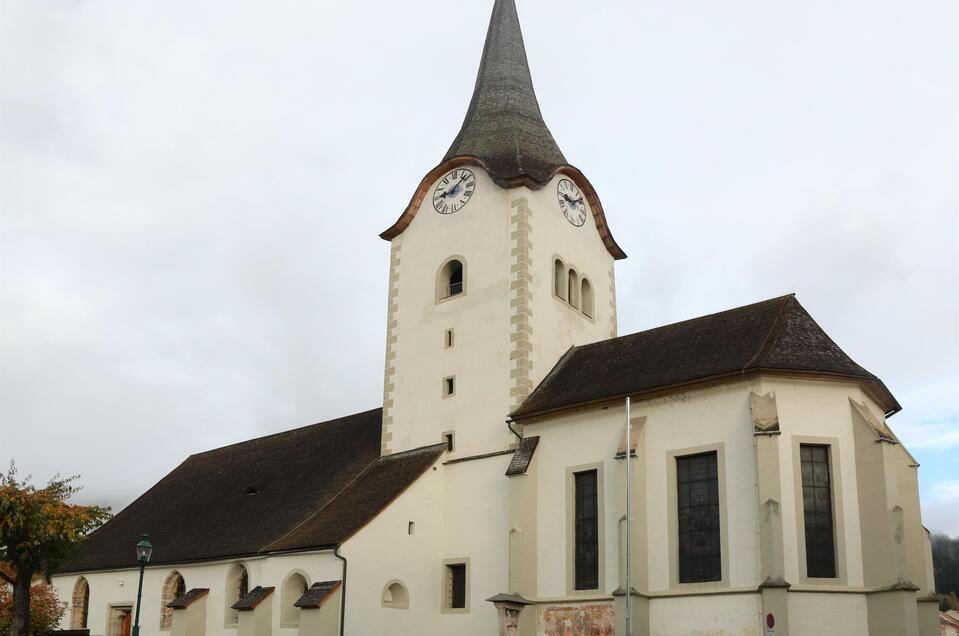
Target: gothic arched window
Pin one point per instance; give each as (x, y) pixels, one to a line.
(173, 587)
(572, 288)
(80, 604)
(559, 278)
(237, 586)
(293, 588)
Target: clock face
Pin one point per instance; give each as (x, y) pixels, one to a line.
(571, 202)
(453, 191)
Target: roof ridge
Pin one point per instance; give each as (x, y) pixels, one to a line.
(772, 328)
(278, 433)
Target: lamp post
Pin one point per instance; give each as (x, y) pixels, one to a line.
(144, 550)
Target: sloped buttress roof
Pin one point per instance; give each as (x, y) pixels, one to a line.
(311, 487)
(773, 335)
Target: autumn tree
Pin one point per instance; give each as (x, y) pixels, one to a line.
(46, 610)
(39, 529)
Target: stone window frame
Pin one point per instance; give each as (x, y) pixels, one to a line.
(80, 613)
(672, 496)
(838, 525)
(600, 468)
(445, 600)
(166, 613)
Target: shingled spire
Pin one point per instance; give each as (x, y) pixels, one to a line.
(504, 128)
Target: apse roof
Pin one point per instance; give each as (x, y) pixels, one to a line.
(773, 335)
(312, 487)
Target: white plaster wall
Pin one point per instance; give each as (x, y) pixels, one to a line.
(119, 587)
(809, 408)
(725, 615)
(557, 326)
(480, 359)
(451, 522)
(821, 614)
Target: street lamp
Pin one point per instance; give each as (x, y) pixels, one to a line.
(144, 550)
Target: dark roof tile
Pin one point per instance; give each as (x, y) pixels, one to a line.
(316, 594)
(777, 334)
(523, 456)
(188, 599)
(251, 599)
(241, 499)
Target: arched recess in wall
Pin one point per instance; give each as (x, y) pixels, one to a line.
(559, 278)
(572, 288)
(395, 595)
(237, 586)
(586, 297)
(80, 604)
(293, 588)
(451, 278)
(173, 587)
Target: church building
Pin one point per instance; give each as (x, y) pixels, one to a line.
(531, 472)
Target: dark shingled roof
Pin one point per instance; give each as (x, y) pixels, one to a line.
(523, 456)
(316, 594)
(504, 127)
(247, 498)
(774, 335)
(185, 601)
(252, 598)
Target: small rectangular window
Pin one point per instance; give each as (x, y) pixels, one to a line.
(697, 487)
(449, 440)
(817, 511)
(586, 531)
(456, 585)
(411, 528)
(449, 386)
(448, 339)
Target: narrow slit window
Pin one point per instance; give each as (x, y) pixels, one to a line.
(448, 339)
(700, 556)
(587, 531)
(456, 585)
(817, 511)
(411, 528)
(448, 439)
(449, 386)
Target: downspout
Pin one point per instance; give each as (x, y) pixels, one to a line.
(629, 512)
(509, 425)
(336, 553)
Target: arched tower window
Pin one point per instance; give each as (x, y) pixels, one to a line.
(451, 279)
(572, 288)
(396, 595)
(586, 297)
(80, 604)
(293, 588)
(173, 587)
(559, 278)
(237, 586)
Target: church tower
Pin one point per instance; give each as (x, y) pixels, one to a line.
(501, 261)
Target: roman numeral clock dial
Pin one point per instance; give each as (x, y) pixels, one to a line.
(571, 202)
(453, 191)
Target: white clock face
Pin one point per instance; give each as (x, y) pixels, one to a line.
(453, 191)
(571, 202)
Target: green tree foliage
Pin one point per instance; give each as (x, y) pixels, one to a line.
(945, 563)
(39, 529)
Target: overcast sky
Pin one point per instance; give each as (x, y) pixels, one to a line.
(190, 197)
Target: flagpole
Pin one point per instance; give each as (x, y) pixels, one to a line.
(629, 498)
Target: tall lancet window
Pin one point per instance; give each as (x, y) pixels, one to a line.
(697, 486)
(817, 511)
(586, 530)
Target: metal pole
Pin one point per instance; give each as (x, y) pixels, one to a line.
(136, 617)
(629, 507)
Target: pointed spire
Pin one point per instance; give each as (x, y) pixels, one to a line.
(504, 127)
